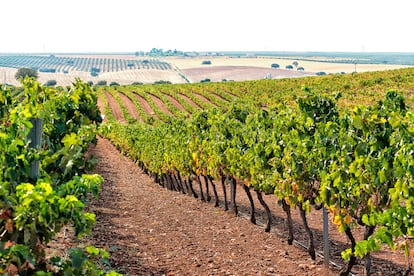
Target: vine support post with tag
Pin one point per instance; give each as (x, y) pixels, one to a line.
(35, 137)
(326, 244)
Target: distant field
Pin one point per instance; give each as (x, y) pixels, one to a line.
(123, 69)
(265, 62)
(126, 69)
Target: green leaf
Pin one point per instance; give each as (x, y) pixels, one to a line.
(77, 257)
(357, 122)
(70, 140)
(346, 254)
(92, 250)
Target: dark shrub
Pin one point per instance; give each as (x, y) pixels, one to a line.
(26, 72)
(50, 83)
(162, 82)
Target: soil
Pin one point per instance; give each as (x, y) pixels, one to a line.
(130, 107)
(189, 101)
(161, 105)
(174, 102)
(145, 105)
(116, 111)
(150, 230)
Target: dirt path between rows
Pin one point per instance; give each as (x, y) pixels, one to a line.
(150, 230)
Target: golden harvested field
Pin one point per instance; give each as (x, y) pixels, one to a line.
(265, 62)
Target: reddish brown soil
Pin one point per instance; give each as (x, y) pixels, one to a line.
(204, 99)
(161, 105)
(145, 105)
(191, 102)
(116, 110)
(150, 230)
(218, 96)
(176, 103)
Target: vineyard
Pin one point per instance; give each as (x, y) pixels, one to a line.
(123, 69)
(45, 135)
(340, 142)
(64, 64)
(280, 153)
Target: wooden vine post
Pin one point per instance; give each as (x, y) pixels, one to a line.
(326, 244)
(35, 137)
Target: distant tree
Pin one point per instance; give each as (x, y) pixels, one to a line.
(114, 83)
(295, 63)
(300, 68)
(47, 70)
(156, 52)
(206, 62)
(101, 83)
(206, 80)
(50, 83)
(90, 83)
(95, 71)
(275, 65)
(26, 72)
(162, 82)
(289, 66)
(321, 73)
(137, 83)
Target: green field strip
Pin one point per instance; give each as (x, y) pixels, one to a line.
(128, 118)
(187, 91)
(173, 94)
(219, 91)
(130, 106)
(147, 118)
(212, 97)
(158, 113)
(107, 110)
(176, 112)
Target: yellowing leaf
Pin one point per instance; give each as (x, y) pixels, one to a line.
(70, 140)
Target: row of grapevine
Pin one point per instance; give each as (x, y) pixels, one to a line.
(65, 63)
(146, 95)
(35, 206)
(357, 163)
(356, 89)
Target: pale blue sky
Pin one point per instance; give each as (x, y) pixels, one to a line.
(215, 25)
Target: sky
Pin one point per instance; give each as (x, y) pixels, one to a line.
(72, 26)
